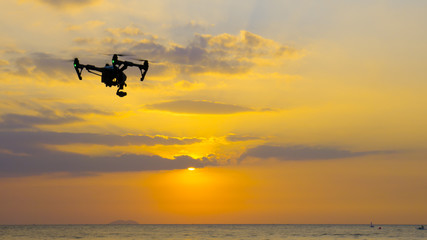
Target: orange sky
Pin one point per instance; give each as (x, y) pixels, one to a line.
(291, 112)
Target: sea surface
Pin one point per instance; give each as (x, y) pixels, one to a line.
(210, 231)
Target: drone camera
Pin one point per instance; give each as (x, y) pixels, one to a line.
(121, 94)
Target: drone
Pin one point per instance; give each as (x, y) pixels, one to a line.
(112, 75)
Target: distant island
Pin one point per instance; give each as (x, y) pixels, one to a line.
(121, 222)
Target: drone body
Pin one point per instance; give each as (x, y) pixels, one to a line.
(112, 75)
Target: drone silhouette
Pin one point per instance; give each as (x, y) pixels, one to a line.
(112, 75)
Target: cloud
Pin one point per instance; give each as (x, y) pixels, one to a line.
(67, 3)
(86, 110)
(223, 53)
(13, 165)
(198, 107)
(3, 62)
(239, 138)
(46, 116)
(24, 154)
(183, 32)
(20, 121)
(40, 62)
(302, 152)
(128, 31)
(14, 140)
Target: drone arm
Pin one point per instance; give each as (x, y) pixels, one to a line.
(125, 64)
(91, 68)
(93, 72)
(79, 72)
(143, 67)
(77, 66)
(140, 66)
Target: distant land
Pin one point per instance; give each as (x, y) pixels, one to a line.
(124, 222)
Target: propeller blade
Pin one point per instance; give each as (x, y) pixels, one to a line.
(67, 60)
(137, 59)
(120, 54)
(144, 60)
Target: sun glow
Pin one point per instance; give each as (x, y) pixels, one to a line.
(210, 191)
(191, 169)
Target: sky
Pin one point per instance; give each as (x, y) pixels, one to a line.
(292, 112)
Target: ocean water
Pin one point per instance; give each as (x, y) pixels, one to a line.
(210, 231)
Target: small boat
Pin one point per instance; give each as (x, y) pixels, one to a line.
(372, 225)
(421, 227)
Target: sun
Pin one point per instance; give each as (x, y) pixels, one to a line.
(191, 169)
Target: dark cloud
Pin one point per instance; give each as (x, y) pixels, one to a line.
(24, 153)
(22, 141)
(199, 56)
(86, 110)
(19, 121)
(302, 153)
(42, 63)
(58, 162)
(23, 65)
(49, 64)
(198, 107)
(239, 138)
(63, 113)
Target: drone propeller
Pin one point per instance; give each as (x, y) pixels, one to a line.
(137, 59)
(120, 54)
(68, 60)
(144, 60)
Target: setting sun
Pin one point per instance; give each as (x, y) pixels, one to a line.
(191, 169)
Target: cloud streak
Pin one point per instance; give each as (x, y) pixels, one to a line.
(301, 152)
(20, 121)
(240, 138)
(13, 140)
(198, 107)
(14, 165)
(24, 154)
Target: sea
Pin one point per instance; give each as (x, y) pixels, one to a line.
(210, 231)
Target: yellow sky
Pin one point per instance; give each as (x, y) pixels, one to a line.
(291, 112)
